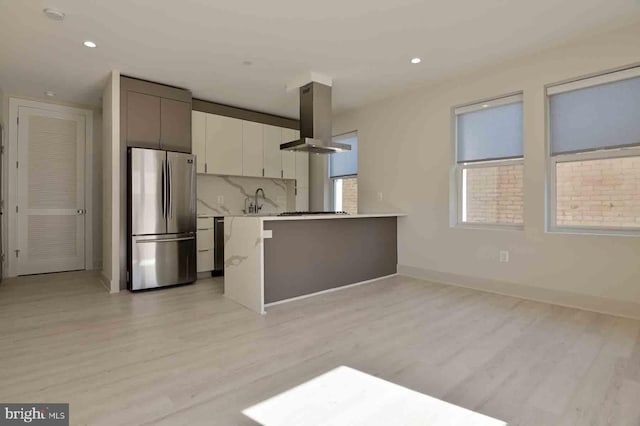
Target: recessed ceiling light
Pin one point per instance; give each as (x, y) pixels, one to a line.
(54, 14)
(485, 105)
(49, 93)
(416, 60)
(89, 43)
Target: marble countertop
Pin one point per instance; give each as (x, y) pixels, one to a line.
(210, 215)
(334, 216)
(274, 216)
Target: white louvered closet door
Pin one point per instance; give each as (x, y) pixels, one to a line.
(51, 210)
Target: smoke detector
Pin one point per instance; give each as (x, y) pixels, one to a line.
(54, 14)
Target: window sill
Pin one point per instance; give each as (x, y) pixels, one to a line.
(489, 226)
(597, 232)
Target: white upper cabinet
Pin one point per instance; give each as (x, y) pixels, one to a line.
(224, 145)
(272, 155)
(289, 157)
(199, 139)
(233, 147)
(252, 148)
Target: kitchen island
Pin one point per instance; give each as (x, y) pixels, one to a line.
(274, 259)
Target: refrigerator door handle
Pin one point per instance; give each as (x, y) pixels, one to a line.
(169, 182)
(164, 184)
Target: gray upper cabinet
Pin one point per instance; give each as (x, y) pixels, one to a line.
(175, 125)
(155, 116)
(143, 120)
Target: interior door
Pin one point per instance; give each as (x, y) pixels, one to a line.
(181, 216)
(51, 209)
(2, 257)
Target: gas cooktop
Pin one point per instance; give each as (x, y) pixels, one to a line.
(308, 213)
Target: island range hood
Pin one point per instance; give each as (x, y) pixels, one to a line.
(315, 122)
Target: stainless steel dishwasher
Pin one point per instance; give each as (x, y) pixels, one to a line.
(218, 246)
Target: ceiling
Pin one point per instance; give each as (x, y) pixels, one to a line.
(365, 45)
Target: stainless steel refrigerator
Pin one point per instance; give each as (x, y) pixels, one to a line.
(162, 218)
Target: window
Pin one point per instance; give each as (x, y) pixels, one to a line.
(346, 194)
(594, 154)
(343, 171)
(489, 163)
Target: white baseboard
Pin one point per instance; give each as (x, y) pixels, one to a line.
(586, 302)
(329, 290)
(106, 282)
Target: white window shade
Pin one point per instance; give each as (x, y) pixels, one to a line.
(490, 130)
(345, 163)
(594, 117)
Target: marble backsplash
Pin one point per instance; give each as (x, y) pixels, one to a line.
(233, 190)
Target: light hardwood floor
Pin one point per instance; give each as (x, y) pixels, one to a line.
(187, 355)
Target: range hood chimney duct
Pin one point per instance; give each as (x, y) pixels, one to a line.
(315, 122)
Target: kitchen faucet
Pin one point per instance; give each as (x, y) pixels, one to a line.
(257, 206)
(250, 209)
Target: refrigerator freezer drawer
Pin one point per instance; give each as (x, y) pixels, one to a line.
(158, 261)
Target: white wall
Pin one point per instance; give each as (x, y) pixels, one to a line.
(406, 152)
(110, 181)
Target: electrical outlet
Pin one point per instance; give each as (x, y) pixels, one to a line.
(504, 256)
(380, 196)
(220, 199)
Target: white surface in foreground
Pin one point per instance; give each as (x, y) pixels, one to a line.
(345, 396)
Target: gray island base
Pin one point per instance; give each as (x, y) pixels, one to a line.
(272, 259)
